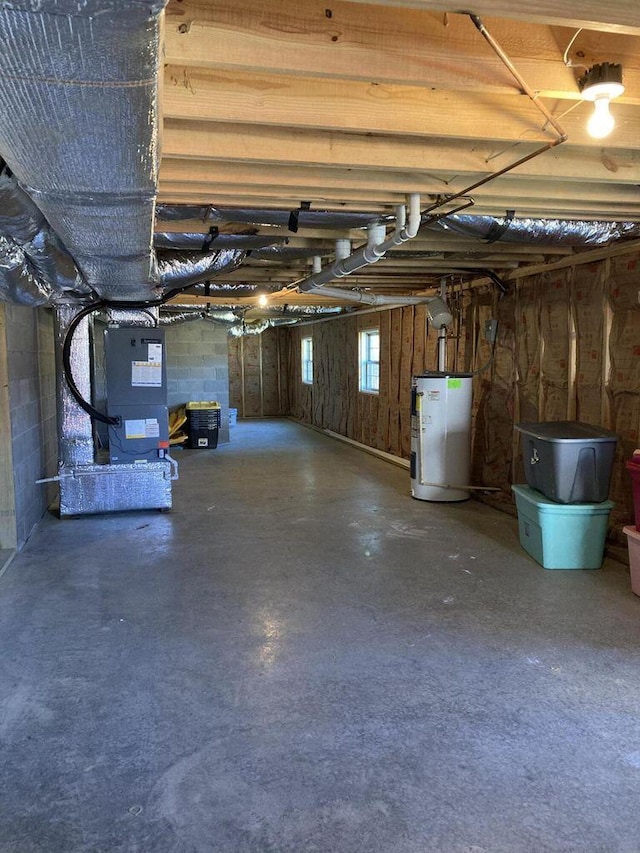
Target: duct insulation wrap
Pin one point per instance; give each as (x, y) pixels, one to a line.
(78, 90)
(331, 219)
(207, 243)
(182, 270)
(182, 212)
(75, 435)
(125, 317)
(45, 258)
(18, 280)
(114, 488)
(241, 330)
(225, 287)
(222, 317)
(20, 219)
(552, 232)
(288, 253)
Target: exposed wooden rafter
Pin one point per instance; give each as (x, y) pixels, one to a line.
(350, 106)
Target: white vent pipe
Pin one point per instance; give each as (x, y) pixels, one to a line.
(376, 248)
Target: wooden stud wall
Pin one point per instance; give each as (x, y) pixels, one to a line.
(568, 348)
(257, 375)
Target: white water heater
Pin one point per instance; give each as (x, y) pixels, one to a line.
(441, 436)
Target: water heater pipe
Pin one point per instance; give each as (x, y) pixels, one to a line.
(442, 349)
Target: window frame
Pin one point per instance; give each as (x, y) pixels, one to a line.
(366, 385)
(305, 362)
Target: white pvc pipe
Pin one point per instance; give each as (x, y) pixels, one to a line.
(343, 249)
(405, 229)
(369, 298)
(376, 234)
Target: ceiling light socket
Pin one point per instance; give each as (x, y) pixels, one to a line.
(603, 80)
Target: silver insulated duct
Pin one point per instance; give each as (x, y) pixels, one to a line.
(541, 232)
(79, 129)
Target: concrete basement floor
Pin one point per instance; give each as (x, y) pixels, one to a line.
(300, 658)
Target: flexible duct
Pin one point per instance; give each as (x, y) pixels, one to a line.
(550, 232)
(284, 253)
(288, 312)
(241, 330)
(334, 219)
(206, 243)
(49, 270)
(532, 231)
(78, 128)
(18, 281)
(235, 327)
(20, 219)
(226, 317)
(179, 270)
(224, 288)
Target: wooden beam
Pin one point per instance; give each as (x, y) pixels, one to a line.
(419, 47)
(190, 171)
(525, 207)
(200, 94)
(316, 183)
(443, 158)
(582, 258)
(617, 16)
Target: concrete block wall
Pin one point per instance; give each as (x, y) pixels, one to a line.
(32, 403)
(197, 366)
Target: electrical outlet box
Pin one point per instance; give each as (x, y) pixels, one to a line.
(490, 330)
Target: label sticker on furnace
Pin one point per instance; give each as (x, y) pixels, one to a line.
(155, 353)
(142, 428)
(146, 374)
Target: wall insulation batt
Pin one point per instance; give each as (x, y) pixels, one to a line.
(568, 348)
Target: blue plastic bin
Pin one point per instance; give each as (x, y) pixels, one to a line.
(561, 536)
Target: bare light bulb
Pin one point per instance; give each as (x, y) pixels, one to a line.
(601, 122)
(263, 301)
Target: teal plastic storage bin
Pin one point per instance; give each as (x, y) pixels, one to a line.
(561, 536)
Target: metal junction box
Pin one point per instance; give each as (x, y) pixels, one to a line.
(136, 374)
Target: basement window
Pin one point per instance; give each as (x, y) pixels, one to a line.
(307, 361)
(370, 361)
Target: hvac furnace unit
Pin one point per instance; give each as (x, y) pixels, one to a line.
(136, 374)
(441, 436)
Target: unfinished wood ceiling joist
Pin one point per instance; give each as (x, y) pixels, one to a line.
(351, 105)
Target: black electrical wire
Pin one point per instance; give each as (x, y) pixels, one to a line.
(146, 311)
(66, 366)
(68, 340)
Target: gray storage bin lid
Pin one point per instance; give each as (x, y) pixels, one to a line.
(566, 431)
